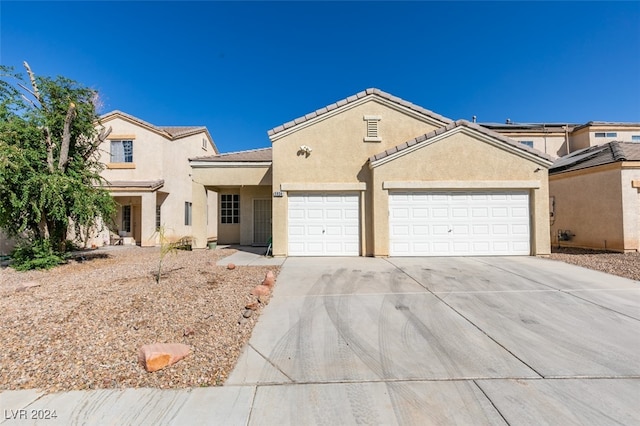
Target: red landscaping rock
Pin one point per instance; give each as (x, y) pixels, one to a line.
(231, 266)
(260, 290)
(160, 355)
(253, 306)
(269, 279)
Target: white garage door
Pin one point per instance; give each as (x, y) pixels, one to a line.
(324, 224)
(459, 223)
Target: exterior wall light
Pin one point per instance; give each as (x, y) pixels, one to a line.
(304, 150)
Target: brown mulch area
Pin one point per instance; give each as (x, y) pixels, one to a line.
(81, 325)
(625, 265)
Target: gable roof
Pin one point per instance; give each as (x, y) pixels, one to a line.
(598, 155)
(351, 99)
(252, 155)
(169, 132)
(543, 158)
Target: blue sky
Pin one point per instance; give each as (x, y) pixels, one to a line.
(242, 68)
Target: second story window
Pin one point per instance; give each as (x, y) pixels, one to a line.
(527, 143)
(606, 135)
(122, 151)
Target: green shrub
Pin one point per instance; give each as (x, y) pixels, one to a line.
(36, 254)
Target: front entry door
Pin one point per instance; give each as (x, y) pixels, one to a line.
(261, 222)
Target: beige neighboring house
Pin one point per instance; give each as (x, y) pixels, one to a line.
(148, 174)
(374, 175)
(559, 140)
(595, 198)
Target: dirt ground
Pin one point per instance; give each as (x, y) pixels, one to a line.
(80, 325)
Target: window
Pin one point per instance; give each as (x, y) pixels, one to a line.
(187, 213)
(158, 221)
(126, 218)
(527, 143)
(122, 151)
(204, 144)
(372, 128)
(635, 138)
(606, 135)
(229, 208)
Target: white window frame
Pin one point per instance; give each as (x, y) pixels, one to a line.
(204, 144)
(120, 153)
(372, 128)
(635, 138)
(229, 209)
(126, 219)
(527, 143)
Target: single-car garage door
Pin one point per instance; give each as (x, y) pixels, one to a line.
(459, 223)
(324, 224)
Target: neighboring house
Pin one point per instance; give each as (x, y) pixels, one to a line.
(148, 174)
(561, 139)
(595, 198)
(374, 175)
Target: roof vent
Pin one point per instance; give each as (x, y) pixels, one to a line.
(508, 121)
(474, 118)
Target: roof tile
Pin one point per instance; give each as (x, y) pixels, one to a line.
(252, 155)
(451, 126)
(360, 95)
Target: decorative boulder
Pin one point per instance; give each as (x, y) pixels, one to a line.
(269, 279)
(231, 266)
(157, 356)
(260, 290)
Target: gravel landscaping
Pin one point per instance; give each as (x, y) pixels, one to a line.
(80, 325)
(622, 264)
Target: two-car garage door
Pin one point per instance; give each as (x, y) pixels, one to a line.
(459, 223)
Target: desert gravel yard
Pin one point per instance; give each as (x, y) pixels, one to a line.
(625, 265)
(81, 324)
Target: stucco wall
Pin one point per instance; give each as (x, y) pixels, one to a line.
(463, 158)
(339, 155)
(585, 137)
(589, 204)
(631, 207)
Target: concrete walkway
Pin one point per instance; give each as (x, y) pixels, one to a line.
(248, 255)
(520, 341)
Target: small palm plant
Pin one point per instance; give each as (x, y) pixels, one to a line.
(166, 246)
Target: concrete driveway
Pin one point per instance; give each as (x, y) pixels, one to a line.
(515, 340)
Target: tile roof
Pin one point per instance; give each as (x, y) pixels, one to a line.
(181, 131)
(142, 184)
(597, 155)
(353, 98)
(170, 132)
(607, 123)
(253, 155)
(453, 125)
(529, 127)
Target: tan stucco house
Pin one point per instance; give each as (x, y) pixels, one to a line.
(560, 139)
(374, 175)
(147, 172)
(595, 198)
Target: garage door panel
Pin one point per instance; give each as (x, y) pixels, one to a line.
(324, 224)
(441, 223)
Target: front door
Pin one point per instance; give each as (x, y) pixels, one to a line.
(261, 222)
